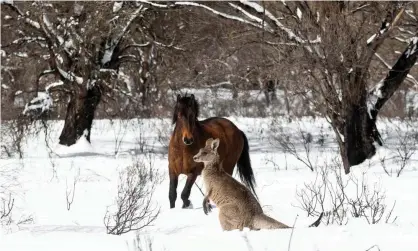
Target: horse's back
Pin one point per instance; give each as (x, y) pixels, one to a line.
(217, 123)
(231, 137)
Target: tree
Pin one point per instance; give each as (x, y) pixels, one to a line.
(83, 48)
(333, 44)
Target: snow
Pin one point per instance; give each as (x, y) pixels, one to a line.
(70, 76)
(33, 23)
(371, 39)
(21, 54)
(117, 6)
(107, 55)
(376, 93)
(41, 186)
(412, 100)
(218, 13)
(299, 13)
(43, 101)
(69, 44)
(260, 9)
(255, 18)
(82, 146)
(53, 84)
(413, 47)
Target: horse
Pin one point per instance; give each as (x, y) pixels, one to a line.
(190, 134)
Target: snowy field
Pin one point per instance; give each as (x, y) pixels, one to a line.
(40, 182)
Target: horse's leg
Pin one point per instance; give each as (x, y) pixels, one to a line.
(191, 178)
(172, 194)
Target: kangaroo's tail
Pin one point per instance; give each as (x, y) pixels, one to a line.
(263, 221)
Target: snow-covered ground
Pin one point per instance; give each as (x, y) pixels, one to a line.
(39, 183)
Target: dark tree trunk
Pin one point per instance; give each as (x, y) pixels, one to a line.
(360, 131)
(80, 115)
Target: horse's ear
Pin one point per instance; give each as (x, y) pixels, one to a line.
(178, 97)
(215, 144)
(192, 96)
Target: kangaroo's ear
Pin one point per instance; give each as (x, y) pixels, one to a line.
(215, 145)
(209, 141)
(178, 97)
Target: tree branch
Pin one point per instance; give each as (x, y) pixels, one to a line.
(385, 89)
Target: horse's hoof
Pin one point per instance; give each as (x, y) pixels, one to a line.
(190, 206)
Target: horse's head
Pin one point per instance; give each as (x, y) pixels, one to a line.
(208, 153)
(185, 113)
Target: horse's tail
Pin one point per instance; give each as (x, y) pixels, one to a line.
(245, 170)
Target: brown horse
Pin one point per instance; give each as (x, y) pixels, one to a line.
(190, 135)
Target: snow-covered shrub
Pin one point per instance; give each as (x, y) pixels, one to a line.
(401, 143)
(343, 196)
(10, 215)
(134, 208)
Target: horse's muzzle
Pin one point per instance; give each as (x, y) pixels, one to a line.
(187, 141)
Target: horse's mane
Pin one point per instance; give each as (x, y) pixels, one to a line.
(185, 102)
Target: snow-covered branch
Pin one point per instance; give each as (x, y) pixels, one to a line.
(387, 25)
(258, 20)
(20, 14)
(260, 9)
(113, 43)
(221, 14)
(70, 76)
(386, 88)
(171, 45)
(50, 30)
(43, 102)
(409, 77)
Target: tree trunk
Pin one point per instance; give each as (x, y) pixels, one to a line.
(80, 115)
(360, 131)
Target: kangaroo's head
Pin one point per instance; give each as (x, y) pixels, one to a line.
(209, 153)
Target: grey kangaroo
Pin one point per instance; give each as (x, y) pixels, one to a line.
(238, 207)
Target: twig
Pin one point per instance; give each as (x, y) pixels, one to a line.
(199, 189)
(370, 248)
(291, 234)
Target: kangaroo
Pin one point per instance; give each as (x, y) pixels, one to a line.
(238, 207)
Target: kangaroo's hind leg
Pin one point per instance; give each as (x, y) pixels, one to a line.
(230, 219)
